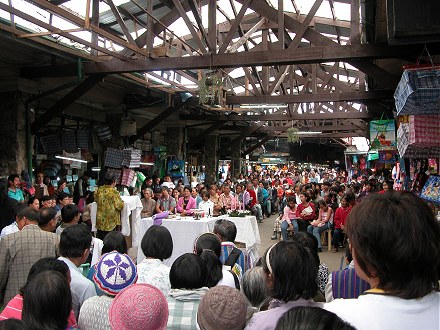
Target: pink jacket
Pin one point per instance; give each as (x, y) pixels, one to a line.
(191, 205)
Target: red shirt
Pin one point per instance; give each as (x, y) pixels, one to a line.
(253, 197)
(340, 217)
(301, 207)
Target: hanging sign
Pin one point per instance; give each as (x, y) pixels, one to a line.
(382, 134)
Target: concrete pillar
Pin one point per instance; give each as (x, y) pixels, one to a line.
(174, 140)
(12, 133)
(211, 159)
(236, 161)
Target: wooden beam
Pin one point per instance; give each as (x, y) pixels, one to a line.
(65, 34)
(212, 25)
(154, 122)
(199, 138)
(80, 22)
(294, 44)
(198, 18)
(277, 117)
(261, 58)
(255, 146)
(121, 22)
(355, 35)
(188, 23)
(308, 98)
(235, 25)
(250, 130)
(326, 128)
(66, 101)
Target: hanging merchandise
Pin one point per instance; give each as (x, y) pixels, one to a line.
(83, 138)
(103, 132)
(131, 158)
(382, 134)
(431, 189)
(387, 156)
(418, 92)
(292, 135)
(51, 143)
(68, 141)
(127, 177)
(176, 168)
(113, 158)
(128, 126)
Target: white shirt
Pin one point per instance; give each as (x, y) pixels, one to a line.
(154, 272)
(207, 207)
(377, 311)
(10, 229)
(81, 288)
(228, 279)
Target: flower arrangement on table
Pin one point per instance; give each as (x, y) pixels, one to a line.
(238, 213)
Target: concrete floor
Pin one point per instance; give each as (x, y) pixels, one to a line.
(332, 260)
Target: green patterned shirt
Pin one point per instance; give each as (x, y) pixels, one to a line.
(110, 204)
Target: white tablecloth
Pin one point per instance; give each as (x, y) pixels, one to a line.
(186, 230)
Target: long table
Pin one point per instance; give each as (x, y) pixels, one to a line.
(185, 231)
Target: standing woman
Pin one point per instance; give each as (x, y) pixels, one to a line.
(395, 243)
(324, 221)
(186, 203)
(305, 210)
(109, 206)
(340, 219)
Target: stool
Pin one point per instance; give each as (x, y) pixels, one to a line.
(329, 238)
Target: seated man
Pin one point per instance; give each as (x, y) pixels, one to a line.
(345, 283)
(231, 255)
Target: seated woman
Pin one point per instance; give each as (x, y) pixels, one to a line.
(206, 205)
(214, 197)
(291, 272)
(157, 245)
(208, 247)
(253, 287)
(395, 242)
(186, 203)
(288, 219)
(188, 285)
(195, 194)
(324, 221)
(148, 203)
(339, 221)
(305, 211)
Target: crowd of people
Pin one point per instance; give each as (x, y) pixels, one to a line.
(55, 274)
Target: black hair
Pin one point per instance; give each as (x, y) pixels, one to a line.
(46, 215)
(42, 265)
(396, 239)
(61, 181)
(12, 177)
(157, 243)
(188, 272)
(47, 302)
(62, 195)
(311, 318)
(90, 197)
(69, 212)
(32, 200)
(75, 240)
(348, 254)
(226, 229)
(306, 195)
(291, 199)
(13, 324)
(109, 179)
(45, 198)
(205, 193)
(307, 240)
(114, 241)
(30, 214)
(208, 247)
(294, 271)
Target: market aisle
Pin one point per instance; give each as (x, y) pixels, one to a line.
(332, 260)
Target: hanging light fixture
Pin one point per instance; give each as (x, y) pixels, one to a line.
(292, 135)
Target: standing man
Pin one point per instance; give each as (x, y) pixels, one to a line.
(81, 187)
(20, 250)
(109, 206)
(75, 245)
(14, 190)
(40, 187)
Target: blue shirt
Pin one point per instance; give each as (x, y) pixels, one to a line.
(17, 195)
